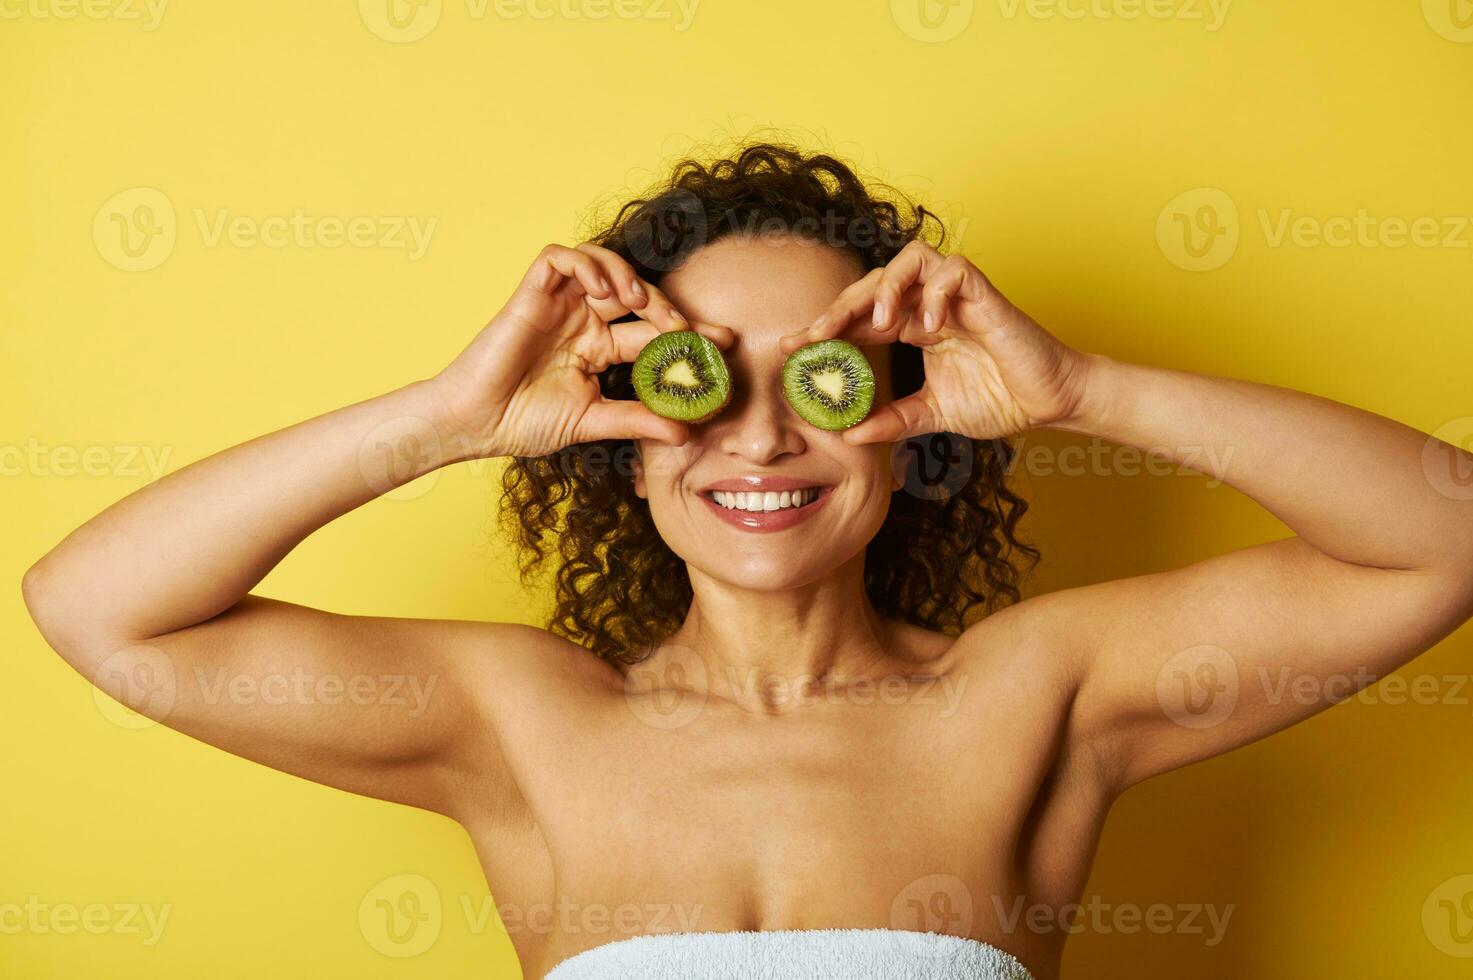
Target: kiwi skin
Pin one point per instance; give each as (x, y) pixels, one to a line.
(815, 407)
(679, 403)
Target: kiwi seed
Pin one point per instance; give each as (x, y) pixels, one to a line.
(830, 384)
(682, 375)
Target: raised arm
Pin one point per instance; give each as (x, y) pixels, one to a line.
(1187, 664)
(1178, 666)
(150, 599)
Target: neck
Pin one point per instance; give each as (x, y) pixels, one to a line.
(767, 649)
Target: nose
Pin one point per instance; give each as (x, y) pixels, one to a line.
(758, 426)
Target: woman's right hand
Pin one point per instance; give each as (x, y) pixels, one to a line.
(527, 385)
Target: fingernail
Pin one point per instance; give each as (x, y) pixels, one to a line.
(929, 321)
(603, 284)
(879, 313)
(817, 323)
(675, 315)
(638, 289)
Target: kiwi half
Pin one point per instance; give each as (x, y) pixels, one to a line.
(830, 384)
(682, 375)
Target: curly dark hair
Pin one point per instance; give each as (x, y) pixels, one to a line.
(945, 555)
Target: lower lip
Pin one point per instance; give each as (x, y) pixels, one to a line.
(768, 520)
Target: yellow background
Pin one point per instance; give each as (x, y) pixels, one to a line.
(1055, 143)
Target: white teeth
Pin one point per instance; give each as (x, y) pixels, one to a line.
(769, 501)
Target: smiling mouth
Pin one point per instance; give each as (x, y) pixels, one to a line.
(764, 502)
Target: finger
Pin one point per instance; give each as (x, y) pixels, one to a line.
(663, 314)
(855, 299)
(722, 337)
(557, 265)
(900, 419)
(656, 310)
(615, 419)
(854, 324)
(629, 295)
(631, 337)
(940, 288)
(632, 294)
(916, 262)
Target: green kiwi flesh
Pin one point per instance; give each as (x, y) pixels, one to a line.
(682, 375)
(829, 384)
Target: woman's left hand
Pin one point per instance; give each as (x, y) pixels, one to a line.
(991, 371)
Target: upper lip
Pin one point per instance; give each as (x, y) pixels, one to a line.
(761, 484)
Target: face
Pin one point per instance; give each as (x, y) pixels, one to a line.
(822, 500)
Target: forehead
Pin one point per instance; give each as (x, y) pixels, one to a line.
(759, 285)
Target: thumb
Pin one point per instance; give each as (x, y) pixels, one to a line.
(617, 419)
(910, 416)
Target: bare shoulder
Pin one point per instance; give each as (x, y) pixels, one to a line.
(1036, 639)
(1025, 668)
(527, 690)
(511, 667)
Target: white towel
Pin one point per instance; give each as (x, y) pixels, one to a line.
(793, 954)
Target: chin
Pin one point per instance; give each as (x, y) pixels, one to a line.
(766, 563)
(767, 573)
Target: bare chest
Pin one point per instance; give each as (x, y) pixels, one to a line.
(915, 813)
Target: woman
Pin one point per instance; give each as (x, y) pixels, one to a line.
(770, 716)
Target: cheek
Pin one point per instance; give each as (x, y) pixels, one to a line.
(871, 478)
(661, 466)
(884, 478)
